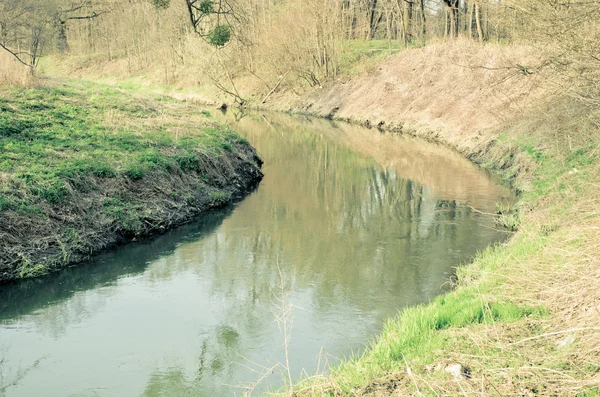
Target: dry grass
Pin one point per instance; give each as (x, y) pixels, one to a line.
(12, 73)
(460, 87)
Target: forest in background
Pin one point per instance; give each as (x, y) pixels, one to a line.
(287, 43)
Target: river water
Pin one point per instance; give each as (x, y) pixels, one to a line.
(348, 226)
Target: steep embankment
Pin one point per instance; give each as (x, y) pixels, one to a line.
(524, 318)
(86, 167)
(461, 94)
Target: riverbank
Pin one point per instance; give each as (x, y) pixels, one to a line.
(86, 167)
(524, 318)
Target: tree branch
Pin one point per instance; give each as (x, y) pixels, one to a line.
(75, 8)
(91, 16)
(16, 55)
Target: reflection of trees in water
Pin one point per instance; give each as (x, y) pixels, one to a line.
(340, 223)
(216, 363)
(357, 238)
(351, 232)
(338, 218)
(445, 171)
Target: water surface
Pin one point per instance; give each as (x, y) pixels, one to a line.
(350, 224)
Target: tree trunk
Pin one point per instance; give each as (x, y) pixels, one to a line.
(373, 21)
(446, 23)
(478, 22)
(423, 19)
(62, 44)
(470, 19)
(452, 14)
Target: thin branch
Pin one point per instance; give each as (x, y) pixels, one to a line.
(91, 16)
(276, 87)
(16, 55)
(557, 333)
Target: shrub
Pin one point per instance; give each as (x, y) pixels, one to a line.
(155, 159)
(103, 170)
(219, 198)
(161, 3)
(220, 35)
(5, 203)
(206, 7)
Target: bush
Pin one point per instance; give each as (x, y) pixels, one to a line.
(220, 35)
(53, 191)
(207, 7)
(103, 170)
(219, 198)
(123, 213)
(155, 159)
(5, 204)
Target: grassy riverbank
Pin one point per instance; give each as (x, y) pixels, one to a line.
(524, 318)
(84, 167)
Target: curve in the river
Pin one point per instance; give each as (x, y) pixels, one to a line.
(354, 224)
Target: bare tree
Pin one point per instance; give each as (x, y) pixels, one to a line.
(83, 10)
(17, 31)
(28, 27)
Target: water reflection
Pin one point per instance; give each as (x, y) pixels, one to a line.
(22, 298)
(364, 223)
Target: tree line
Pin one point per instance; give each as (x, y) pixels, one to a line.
(273, 39)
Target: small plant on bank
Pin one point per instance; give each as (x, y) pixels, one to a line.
(161, 3)
(135, 172)
(507, 216)
(219, 198)
(206, 7)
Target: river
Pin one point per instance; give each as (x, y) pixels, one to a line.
(348, 226)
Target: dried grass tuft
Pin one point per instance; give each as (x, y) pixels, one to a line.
(12, 73)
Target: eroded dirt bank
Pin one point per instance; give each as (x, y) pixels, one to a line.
(460, 95)
(33, 246)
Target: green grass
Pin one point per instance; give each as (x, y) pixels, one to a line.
(595, 392)
(55, 140)
(358, 54)
(419, 333)
(84, 166)
(219, 198)
(355, 49)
